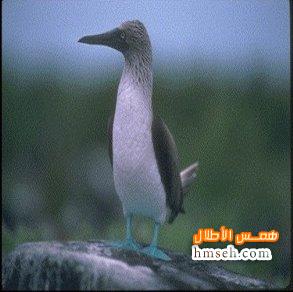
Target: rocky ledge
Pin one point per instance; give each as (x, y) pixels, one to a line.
(96, 266)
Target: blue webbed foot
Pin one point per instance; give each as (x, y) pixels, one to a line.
(129, 244)
(154, 252)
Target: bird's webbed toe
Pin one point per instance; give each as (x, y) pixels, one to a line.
(128, 243)
(154, 252)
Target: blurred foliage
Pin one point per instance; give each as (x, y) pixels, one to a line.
(57, 181)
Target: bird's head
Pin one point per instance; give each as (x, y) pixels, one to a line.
(130, 36)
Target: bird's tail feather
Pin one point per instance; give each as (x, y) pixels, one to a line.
(188, 175)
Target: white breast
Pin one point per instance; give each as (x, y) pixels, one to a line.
(136, 175)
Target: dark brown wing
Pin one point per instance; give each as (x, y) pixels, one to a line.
(168, 164)
(110, 133)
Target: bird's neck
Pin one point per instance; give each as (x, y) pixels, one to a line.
(136, 84)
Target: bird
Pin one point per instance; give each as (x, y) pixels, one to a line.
(142, 150)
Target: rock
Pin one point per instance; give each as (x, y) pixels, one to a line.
(95, 265)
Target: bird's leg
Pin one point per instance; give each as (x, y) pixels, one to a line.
(129, 238)
(152, 249)
(128, 242)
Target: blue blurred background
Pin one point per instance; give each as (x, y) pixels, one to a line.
(221, 85)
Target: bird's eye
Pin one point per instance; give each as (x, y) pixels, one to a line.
(122, 35)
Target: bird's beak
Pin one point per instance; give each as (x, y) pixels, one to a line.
(111, 39)
(99, 39)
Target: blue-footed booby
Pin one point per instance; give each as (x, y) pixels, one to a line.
(142, 151)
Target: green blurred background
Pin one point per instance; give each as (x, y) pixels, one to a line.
(56, 176)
